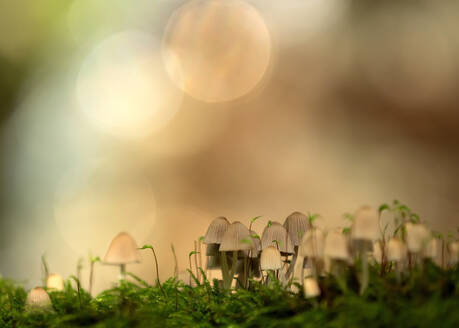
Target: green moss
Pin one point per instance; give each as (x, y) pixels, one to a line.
(428, 297)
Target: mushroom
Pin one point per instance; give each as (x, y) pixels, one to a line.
(236, 238)
(55, 282)
(396, 250)
(296, 225)
(377, 253)
(336, 246)
(38, 299)
(122, 251)
(215, 232)
(431, 249)
(364, 232)
(417, 236)
(453, 248)
(270, 259)
(276, 235)
(312, 247)
(311, 288)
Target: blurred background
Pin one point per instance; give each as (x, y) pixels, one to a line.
(154, 117)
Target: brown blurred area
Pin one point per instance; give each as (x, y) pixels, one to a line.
(359, 105)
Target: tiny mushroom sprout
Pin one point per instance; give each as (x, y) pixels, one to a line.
(276, 235)
(311, 288)
(417, 236)
(122, 251)
(234, 239)
(54, 282)
(38, 299)
(364, 232)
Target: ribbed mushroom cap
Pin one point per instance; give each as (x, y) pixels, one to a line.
(336, 246)
(270, 259)
(311, 288)
(396, 250)
(312, 244)
(235, 238)
(296, 225)
(216, 230)
(122, 250)
(417, 236)
(212, 249)
(38, 298)
(365, 225)
(213, 262)
(55, 282)
(277, 232)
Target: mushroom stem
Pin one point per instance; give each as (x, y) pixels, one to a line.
(123, 271)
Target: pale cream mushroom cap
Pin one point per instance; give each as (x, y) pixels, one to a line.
(366, 225)
(396, 250)
(296, 225)
(417, 236)
(235, 238)
(453, 248)
(216, 230)
(55, 282)
(270, 259)
(311, 288)
(38, 298)
(312, 244)
(122, 250)
(277, 232)
(336, 246)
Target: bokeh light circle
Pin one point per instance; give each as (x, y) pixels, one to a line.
(222, 49)
(122, 87)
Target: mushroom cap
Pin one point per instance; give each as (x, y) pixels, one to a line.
(277, 232)
(336, 246)
(417, 236)
(122, 250)
(216, 230)
(312, 244)
(38, 298)
(270, 259)
(296, 225)
(235, 238)
(453, 248)
(212, 249)
(396, 250)
(366, 224)
(55, 282)
(311, 288)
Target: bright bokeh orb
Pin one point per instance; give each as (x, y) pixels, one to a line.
(96, 201)
(221, 48)
(123, 89)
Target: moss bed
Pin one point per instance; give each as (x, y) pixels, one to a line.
(427, 297)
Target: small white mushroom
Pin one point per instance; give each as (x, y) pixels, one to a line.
(336, 246)
(55, 282)
(38, 299)
(396, 250)
(122, 250)
(311, 288)
(270, 259)
(417, 236)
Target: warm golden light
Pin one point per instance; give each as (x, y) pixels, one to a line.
(122, 88)
(223, 49)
